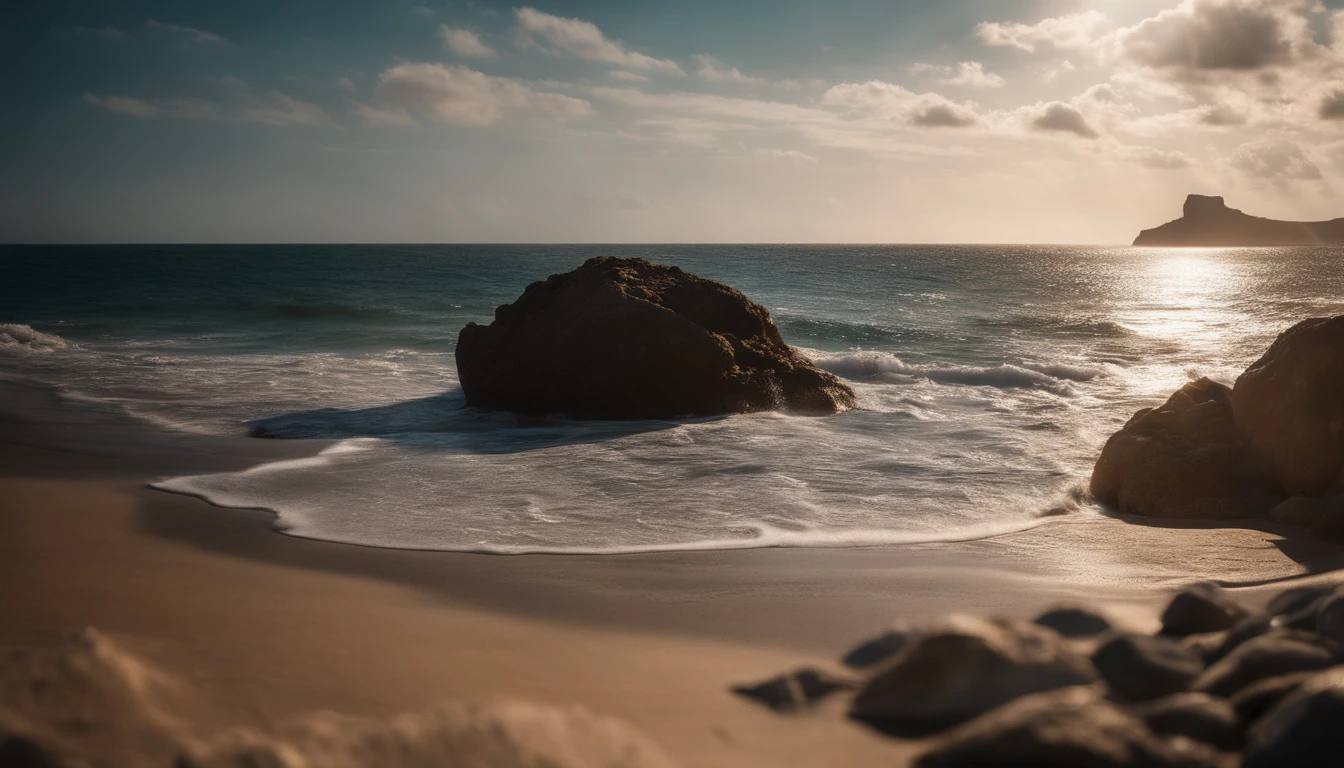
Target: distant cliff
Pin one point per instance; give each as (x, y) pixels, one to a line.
(1208, 222)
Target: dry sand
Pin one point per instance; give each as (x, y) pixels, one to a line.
(260, 628)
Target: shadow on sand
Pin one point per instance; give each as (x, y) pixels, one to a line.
(444, 422)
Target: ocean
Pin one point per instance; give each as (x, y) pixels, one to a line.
(988, 376)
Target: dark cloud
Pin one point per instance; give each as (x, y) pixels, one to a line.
(1222, 116)
(1332, 106)
(943, 116)
(1059, 117)
(1212, 35)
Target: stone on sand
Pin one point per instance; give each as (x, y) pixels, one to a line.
(1070, 727)
(966, 668)
(1141, 667)
(1305, 729)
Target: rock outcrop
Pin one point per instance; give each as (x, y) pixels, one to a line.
(1183, 460)
(1290, 405)
(1270, 447)
(629, 339)
(1208, 222)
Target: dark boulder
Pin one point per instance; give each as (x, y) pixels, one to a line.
(795, 691)
(1256, 699)
(1201, 609)
(1305, 729)
(950, 675)
(1183, 460)
(1072, 728)
(1288, 405)
(1278, 653)
(1195, 716)
(1330, 525)
(878, 649)
(1139, 667)
(629, 339)
(1302, 511)
(1330, 617)
(1075, 622)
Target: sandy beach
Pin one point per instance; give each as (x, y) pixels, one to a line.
(262, 628)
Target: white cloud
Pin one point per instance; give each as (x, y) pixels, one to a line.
(786, 154)
(190, 34)
(583, 39)
(282, 110)
(626, 77)
(465, 43)
(715, 71)
(462, 96)
(347, 85)
(1276, 160)
(1074, 31)
(967, 74)
(893, 102)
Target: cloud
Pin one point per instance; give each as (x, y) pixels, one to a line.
(103, 33)
(893, 102)
(465, 43)
(1221, 116)
(946, 115)
(1058, 117)
(185, 109)
(189, 34)
(967, 74)
(282, 110)
(1275, 160)
(1151, 157)
(626, 77)
(1078, 30)
(275, 109)
(786, 154)
(1332, 106)
(715, 71)
(583, 39)
(347, 85)
(1218, 35)
(462, 96)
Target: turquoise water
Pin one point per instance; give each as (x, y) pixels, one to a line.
(988, 378)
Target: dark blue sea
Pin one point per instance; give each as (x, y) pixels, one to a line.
(988, 378)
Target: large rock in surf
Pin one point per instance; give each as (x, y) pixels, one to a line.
(1290, 406)
(1183, 459)
(1208, 222)
(629, 339)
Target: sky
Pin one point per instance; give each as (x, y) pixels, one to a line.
(850, 121)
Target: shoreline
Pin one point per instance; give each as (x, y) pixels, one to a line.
(272, 627)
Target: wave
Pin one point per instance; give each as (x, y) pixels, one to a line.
(1086, 327)
(319, 311)
(884, 367)
(14, 336)
(841, 332)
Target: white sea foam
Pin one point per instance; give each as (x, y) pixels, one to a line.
(16, 337)
(885, 367)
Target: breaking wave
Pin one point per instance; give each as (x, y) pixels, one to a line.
(887, 368)
(14, 336)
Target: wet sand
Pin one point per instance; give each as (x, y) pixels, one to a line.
(261, 627)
